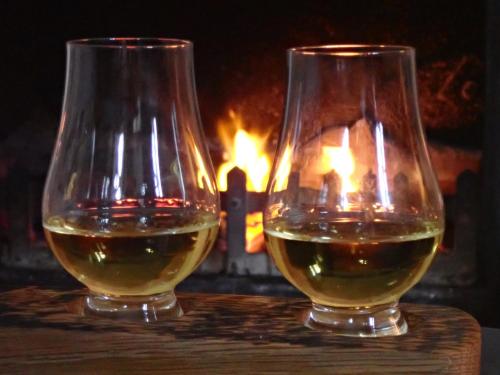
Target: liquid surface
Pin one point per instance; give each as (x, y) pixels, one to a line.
(131, 253)
(348, 263)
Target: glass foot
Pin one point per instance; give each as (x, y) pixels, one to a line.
(138, 308)
(376, 321)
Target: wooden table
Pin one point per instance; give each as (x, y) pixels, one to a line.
(222, 334)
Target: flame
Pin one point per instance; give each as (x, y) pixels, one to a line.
(245, 151)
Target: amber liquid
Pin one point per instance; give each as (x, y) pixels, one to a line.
(349, 263)
(127, 254)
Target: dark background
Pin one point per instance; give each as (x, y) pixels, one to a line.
(240, 50)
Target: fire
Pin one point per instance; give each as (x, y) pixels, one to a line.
(245, 151)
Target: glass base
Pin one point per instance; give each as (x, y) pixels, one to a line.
(376, 321)
(137, 308)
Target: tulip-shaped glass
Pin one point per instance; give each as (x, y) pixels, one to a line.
(130, 205)
(354, 213)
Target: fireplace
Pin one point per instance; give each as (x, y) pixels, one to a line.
(240, 68)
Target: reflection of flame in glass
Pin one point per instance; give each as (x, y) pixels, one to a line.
(245, 151)
(341, 160)
(203, 175)
(283, 170)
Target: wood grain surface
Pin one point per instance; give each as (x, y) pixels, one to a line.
(42, 333)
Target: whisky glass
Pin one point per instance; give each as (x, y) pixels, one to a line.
(130, 205)
(354, 213)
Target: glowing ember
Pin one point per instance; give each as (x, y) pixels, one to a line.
(255, 232)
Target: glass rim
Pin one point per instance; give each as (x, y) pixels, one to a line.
(351, 50)
(130, 43)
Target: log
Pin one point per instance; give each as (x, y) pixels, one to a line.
(43, 333)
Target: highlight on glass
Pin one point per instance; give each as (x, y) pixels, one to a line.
(354, 213)
(130, 206)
